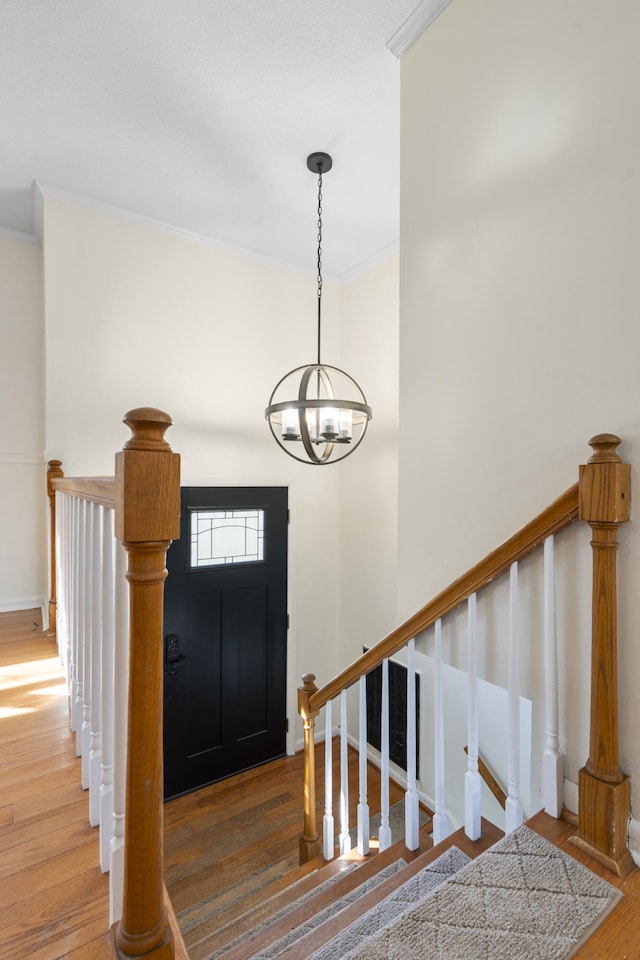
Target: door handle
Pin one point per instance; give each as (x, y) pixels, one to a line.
(172, 656)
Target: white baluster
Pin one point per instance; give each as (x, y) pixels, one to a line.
(87, 643)
(552, 766)
(65, 639)
(59, 510)
(411, 805)
(472, 782)
(441, 826)
(74, 608)
(363, 806)
(97, 600)
(106, 660)
(513, 807)
(73, 611)
(384, 837)
(345, 839)
(327, 822)
(80, 647)
(61, 598)
(121, 688)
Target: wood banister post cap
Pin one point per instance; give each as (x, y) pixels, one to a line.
(305, 690)
(148, 472)
(605, 448)
(605, 483)
(53, 473)
(148, 427)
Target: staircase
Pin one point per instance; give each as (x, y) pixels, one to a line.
(323, 900)
(147, 922)
(498, 898)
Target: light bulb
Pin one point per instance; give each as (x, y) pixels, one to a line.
(345, 425)
(290, 424)
(329, 422)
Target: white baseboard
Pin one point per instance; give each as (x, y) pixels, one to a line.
(25, 603)
(29, 603)
(571, 796)
(634, 840)
(319, 736)
(397, 774)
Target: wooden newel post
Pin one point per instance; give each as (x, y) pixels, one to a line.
(604, 790)
(147, 497)
(310, 842)
(53, 473)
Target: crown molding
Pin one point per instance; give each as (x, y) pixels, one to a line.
(48, 191)
(18, 235)
(415, 25)
(380, 257)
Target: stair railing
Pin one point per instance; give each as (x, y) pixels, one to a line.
(109, 542)
(602, 498)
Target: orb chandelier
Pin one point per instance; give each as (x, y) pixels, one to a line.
(317, 413)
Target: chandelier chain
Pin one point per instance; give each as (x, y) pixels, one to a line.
(319, 235)
(319, 263)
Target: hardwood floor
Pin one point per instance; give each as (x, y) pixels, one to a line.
(54, 901)
(224, 843)
(221, 843)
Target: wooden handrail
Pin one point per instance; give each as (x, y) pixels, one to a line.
(558, 515)
(96, 489)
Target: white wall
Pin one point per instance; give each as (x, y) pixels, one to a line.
(369, 479)
(520, 288)
(22, 474)
(135, 317)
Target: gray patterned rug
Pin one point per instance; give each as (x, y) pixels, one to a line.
(415, 889)
(521, 900)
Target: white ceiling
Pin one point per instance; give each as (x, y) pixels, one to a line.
(200, 114)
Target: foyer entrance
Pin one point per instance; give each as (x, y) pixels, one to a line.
(225, 635)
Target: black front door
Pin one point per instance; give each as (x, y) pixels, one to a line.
(225, 626)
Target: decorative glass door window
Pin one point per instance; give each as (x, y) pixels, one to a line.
(223, 537)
